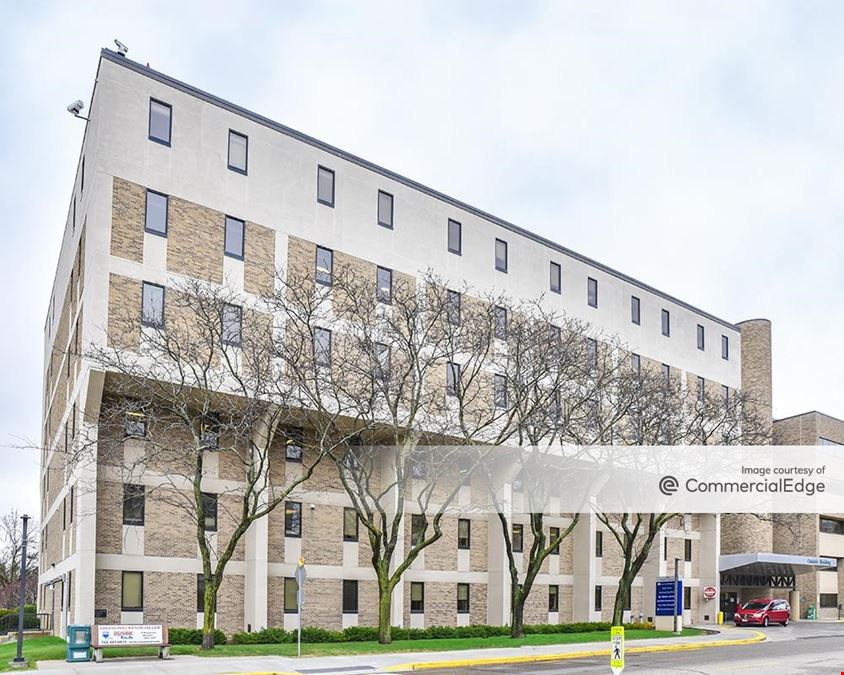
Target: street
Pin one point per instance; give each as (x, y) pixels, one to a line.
(804, 647)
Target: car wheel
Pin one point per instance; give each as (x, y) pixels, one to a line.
(785, 623)
(765, 622)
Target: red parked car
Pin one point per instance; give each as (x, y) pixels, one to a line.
(763, 611)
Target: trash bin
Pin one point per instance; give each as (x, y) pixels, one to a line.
(78, 643)
(811, 613)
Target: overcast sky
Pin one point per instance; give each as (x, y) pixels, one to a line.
(695, 146)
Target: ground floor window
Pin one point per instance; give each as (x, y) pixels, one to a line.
(462, 598)
(350, 596)
(417, 597)
(132, 592)
(599, 598)
(554, 598)
(687, 596)
(829, 599)
(291, 588)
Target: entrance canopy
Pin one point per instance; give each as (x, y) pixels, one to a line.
(769, 570)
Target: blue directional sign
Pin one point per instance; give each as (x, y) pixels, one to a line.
(669, 600)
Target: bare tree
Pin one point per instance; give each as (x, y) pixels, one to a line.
(11, 549)
(190, 396)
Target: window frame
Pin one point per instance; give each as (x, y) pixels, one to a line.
(140, 418)
(318, 330)
(351, 583)
(166, 213)
(226, 220)
(454, 307)
(346, 536)
(389, 225)
(466, 608)
(555, 267)
(459, 230)
(414, 519)
(506, 263)
(598, 598)
(520, 528)
(144, 321)
(245, 170)
(599, 543)
(687, 550)
(467, 545)
(452, 372)
(320, 200)
(210, 503)
(636, 363)
(500, 391)
(725, 348)
(225, 339)
(665, 323)
(169, 106)
(554, 598)
(592, 292)
(421, 602)
(200, 594)
(123, 606)
(295, 586)
(140, 493)
(701, 337)
(553, 533)
(322, 282)
(293, 533)
(388, 300)
(501, 321)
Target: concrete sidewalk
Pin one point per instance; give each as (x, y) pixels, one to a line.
(370, 664)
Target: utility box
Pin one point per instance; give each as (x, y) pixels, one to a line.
(811, 613)
(78, 643)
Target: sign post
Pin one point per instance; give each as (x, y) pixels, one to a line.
(301, 575)
(617, 649)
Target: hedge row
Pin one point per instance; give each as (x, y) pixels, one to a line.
(193, 636)
(312, 634)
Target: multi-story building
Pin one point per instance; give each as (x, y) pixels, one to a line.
(162, 166)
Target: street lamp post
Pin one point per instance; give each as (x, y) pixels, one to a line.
(22, 593)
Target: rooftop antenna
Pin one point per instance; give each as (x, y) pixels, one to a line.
(121, 48)
(75, 108)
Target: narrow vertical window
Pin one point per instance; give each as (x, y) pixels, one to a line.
(462, 598)
(666, 373)
(294, 448)
(599, 598)
(592, 292)
(636, 363)
(133, 504)
(464, 533)
(725, 347)
(238, 152)
(350, 596)
(635, 310)
(152, 305)
(134, 426)
(518, 538)
(687, 550)
(553, 598)
(452, 378)
(455, 237)
(324, 266)
(417, 597)
(453, 307)
(501, 255)
(291, 595)
(325, 186)
(234, 238)
(666, 323)
(385, 209)
(501, 323)
(554, 534)
(418, 526)
(384, 285)
(500, 391)
(322, 347)
(231, 318)
(132, 592)
(382, 361)
(155, 218)
(701, 337)
(725, 395)
(591, 353)
(599, 544)
(292, 519)
(73, 217)
(556, 278)
(200, 593)
(160, 121)
(209, 506)
(701, 390)
(350, 524)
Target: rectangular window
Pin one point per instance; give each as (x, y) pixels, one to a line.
(636, 363)
(592, 292)
(725, 394)
(155, 217)
(417, 597)
(325, 186)
(452, 377)
(500, 323)
(556, 278)
(132, 592)
(238, 152)
(599, 598)
(829, 600)
(200, 593)
(231, 317)
(518, 537)
(666, 322)
(453, 307)
(135, 425)
(687, 550)
(501, 255)
(160, 121)
(350, 596)
(725, 347)
(292, 519)
(322, 347)
(152, 305)
(701, 337)
(324, 266)
(294, 449)
(209, 506)
(553, 534)
(599, 544)
(553, 598)
(455, 237)
(385, 209)
(350, 524)
(635, 310)
(500, 391)
(462, 598)
(73, 218)
(384, 285)
(233, 240)
(687, 597)
(701, 390)
(666, 373)
(133, 504)
(418, 526)
(591, 353)
(382, 361)
(464, 533)
(291, 595)
(831, 526)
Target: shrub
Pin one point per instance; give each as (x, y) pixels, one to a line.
(266, 636)
(361, 634)
(193, 636)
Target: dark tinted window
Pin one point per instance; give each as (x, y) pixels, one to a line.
(325, 186)
(556, 278)
(152, 305)
(592, 292)
(501, 323)
(133, 504)
(234, 238)
(238, 151)
(322, 347)
(418, 526)
(155, 220)
(554, 598)
(384, 285)
(292, 519)
(462, 598)
(350, 524)
(452, 378)
(701, 337)
(501, 255)
(324, 266)
(453, 308)
(160, 121)
(500, 391)
(417, 597)
(231, 325)
(464, 533)
(635, 310)
(725, 347)
(455, 237)
(666, 322)
(350, 596)
(209, 505)
(518, 537)
(599, 544)
(385, 209)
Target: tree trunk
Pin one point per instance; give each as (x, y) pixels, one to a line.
(209, 608)
(622, 596)
(517, 623)
(385, 605)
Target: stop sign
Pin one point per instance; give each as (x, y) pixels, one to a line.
(709, 592)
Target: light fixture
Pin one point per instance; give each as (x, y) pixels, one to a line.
(121, 48)
(75, 108)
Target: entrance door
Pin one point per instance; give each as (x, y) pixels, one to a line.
(729, 600)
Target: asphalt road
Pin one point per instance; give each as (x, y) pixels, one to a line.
(816, 648)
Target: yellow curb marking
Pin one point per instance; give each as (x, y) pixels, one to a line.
(539, 658)
(267, 672)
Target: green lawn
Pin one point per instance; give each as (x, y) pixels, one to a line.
(36, 649)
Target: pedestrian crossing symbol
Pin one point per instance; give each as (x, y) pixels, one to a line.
(617, 649)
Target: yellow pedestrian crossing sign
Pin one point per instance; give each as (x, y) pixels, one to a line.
(617, 649)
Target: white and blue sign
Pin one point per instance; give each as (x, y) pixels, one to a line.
(669, 600)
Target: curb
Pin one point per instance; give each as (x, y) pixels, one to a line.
(563, 656)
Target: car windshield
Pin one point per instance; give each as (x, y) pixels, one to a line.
(755, 605)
